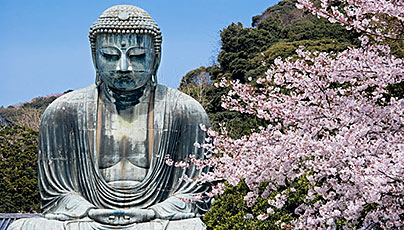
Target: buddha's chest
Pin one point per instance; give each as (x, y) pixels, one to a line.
(123, 145)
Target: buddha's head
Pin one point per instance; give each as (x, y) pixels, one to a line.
(126, 48)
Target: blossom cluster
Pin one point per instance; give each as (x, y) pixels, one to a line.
(376, 17)
(331, 122)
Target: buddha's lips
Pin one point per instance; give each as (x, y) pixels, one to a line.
(120, 77)
(126, 76)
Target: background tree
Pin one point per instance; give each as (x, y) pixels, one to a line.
(28, 114)
(195, 84)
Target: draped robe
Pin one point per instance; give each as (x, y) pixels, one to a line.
(69, 177)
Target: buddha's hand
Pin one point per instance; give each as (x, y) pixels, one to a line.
(60, 217)
(176, 216)
(121, 216)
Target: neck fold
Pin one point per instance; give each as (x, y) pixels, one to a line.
(124, 99)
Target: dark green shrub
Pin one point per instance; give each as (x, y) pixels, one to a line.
(18, 170)
(230, 210)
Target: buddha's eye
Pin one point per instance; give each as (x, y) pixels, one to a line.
(111, 54)
(136, 52)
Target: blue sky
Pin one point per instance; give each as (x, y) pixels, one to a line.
(44, 46)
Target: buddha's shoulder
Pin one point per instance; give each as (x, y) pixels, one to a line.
(72, 100)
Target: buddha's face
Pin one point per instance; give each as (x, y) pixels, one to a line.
(125, 62)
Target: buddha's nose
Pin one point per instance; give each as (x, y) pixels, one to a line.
(123, 65)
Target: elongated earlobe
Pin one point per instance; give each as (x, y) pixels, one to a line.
(154, 80)
(98, 80)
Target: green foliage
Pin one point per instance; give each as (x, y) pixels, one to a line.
(241, 44)
(237, 124)
(285, 49)
(313, 28)
(230, 210)
(18, 170)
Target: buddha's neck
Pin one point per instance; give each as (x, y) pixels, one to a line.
(125, 99)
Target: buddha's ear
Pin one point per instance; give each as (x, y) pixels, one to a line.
(94, 61)
(156, 64)
(97, 75)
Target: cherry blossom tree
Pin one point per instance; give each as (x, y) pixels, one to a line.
(332, 121)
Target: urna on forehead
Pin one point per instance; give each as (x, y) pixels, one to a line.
(126, 19)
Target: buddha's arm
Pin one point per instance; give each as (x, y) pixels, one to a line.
(57, 163)
(174, 208)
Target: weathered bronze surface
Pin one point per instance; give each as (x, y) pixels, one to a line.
(103, 149)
